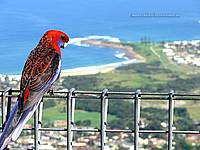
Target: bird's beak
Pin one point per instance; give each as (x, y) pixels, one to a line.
(65, 44)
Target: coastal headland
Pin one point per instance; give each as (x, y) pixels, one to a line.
(129, 51)
(133, 57)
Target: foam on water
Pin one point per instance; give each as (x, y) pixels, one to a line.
(106, 38)
(121, 55)
(77, 41)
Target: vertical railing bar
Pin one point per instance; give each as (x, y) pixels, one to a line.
(36, 144)
(6, 114)
(3, 103)
(40, 109)
(136, 119)
(9, 104)
(104, 109)
(73, 105)
(2, 108)
(170, 119)
(69, 121)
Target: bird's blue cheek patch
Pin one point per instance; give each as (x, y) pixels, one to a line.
(60, 43)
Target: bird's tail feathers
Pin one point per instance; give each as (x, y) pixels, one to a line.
(15, 124)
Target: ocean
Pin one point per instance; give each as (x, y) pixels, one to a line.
(22, 23)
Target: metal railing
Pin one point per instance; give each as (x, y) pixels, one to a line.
(104, 96)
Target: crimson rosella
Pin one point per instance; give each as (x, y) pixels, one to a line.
(41, 70)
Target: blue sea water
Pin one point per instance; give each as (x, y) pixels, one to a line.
(22, 23)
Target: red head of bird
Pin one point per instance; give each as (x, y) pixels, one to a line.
(55, 39)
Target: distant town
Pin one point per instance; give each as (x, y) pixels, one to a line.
(90, 141)
(183, 52)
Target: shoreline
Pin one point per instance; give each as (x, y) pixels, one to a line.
(133, 57)
(89, 70)
(129, 51)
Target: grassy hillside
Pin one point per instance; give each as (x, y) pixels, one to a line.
(157, 74)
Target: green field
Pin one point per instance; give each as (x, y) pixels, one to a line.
(51, 114)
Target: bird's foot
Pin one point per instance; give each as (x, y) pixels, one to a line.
(50, 92)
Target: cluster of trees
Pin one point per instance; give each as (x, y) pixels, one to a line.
(185, 85)
(86, 123)
(143, 68)
(49, 103)
(81, 82)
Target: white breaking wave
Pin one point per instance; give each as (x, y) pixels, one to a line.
(106, 38)
(121, 55)
(77, 41)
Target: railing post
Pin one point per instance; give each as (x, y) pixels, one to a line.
(69, 119)
(170, 119)
(40, 109)
(3, 109)
(73, 105)
(36, 131)
(9, 104)
(136, 119)
(104, 111)
(3, 106)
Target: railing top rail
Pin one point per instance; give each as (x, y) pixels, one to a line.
(113, 95)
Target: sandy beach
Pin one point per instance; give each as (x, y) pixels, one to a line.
(95, 69)
(132, 56)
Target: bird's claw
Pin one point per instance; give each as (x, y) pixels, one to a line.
(50, 92)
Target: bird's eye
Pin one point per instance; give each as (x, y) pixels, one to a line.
(62, 37)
